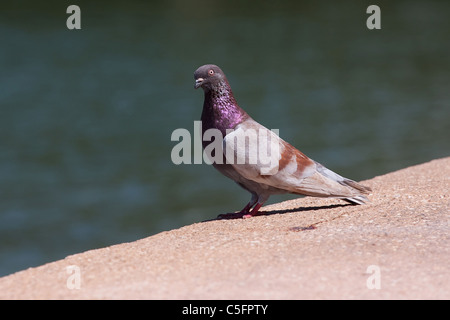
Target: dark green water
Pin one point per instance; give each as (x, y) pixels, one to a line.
(86, 115)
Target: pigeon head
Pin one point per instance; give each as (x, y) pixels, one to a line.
(210, 77)
(220, 109)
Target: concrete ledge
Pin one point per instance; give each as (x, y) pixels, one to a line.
(306, 248)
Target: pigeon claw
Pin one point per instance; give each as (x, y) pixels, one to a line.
(251, 215)
(255, 212)
(243, 214)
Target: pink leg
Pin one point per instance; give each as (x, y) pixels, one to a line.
(254, 212)
(246, 213)
(247, 208)
(237, 215)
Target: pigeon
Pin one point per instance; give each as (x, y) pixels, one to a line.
(292, 172)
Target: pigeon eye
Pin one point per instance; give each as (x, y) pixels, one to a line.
(211, 72)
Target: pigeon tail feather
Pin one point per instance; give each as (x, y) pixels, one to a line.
(353, 187)
(357, 200)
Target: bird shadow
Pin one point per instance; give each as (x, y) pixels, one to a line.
(302, 209)
(272, 212)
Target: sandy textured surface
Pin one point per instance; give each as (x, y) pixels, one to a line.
(306, 248)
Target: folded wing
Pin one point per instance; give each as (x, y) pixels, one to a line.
(260, 155)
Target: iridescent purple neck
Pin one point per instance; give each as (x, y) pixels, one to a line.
(220, 109)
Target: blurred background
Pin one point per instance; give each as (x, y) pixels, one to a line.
(86, 115)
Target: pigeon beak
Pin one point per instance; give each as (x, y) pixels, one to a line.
(198, 83)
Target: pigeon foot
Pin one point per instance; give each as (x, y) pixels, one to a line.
(243, 214)
(254, 212)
